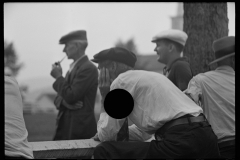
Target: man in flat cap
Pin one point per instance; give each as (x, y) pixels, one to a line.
(179, 127)
(169, 45)
(76, 91)
(214, 91)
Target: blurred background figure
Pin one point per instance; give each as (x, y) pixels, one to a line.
(16, 143)
(76, 92)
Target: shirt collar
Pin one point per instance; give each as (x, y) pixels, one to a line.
(75, 62)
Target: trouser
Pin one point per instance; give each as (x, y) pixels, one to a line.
(227, 152)
(195, 140)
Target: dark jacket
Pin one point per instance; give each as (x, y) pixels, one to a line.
(179, 72)
(80, 85)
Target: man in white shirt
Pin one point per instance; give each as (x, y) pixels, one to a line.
(16, 143)
(214, 91)
(160, 109)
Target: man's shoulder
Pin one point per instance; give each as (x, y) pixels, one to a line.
(204, 76)
(180, 67)
(123, 77)
(87, 64)
(180, 63)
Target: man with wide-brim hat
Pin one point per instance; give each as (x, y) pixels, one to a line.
(169, 46)
(76, 92)
(160, 109)
(214, 91)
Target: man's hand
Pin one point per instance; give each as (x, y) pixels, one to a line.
(56, 71)
(95, 137)
(104, 82)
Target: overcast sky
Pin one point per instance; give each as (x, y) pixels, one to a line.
(35, 29)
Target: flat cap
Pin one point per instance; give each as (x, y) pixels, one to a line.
(74, 35)
(172, 34)
(117, 54)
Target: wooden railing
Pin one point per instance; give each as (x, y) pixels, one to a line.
(64, 149)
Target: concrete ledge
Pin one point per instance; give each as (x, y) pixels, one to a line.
(64, 149)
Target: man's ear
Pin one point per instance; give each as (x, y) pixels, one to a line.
(171, 47)
(78, 46)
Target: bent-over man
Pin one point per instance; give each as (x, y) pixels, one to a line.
(160, 108)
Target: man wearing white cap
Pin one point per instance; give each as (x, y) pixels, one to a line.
(214, 91)
(169, 45)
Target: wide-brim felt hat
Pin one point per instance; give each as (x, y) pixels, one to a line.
(173, 35)
(79, 35)
(223, 48)
(117, 54)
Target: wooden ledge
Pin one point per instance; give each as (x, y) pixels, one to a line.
(64, 149)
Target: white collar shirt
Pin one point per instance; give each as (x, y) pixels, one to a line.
(156, 101)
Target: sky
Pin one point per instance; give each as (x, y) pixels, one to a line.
(35, 29)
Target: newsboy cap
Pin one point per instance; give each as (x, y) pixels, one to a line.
(223, 48)
(172, 34)
(74, 35)
(117, 54)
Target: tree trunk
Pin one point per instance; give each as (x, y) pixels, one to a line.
(204, 23)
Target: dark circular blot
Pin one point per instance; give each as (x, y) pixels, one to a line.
(118, 103)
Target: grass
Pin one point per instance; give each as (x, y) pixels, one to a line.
(40, 126)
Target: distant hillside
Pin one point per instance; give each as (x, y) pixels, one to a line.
(37, 83)
(32, 96)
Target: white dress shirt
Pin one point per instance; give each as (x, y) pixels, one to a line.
(214, 91)
(156, 101)
(16, 143)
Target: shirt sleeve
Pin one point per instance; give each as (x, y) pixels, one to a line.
(194, 91)
(108, 127)
(136, 134)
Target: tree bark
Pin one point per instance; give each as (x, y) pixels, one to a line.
(204, 23)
